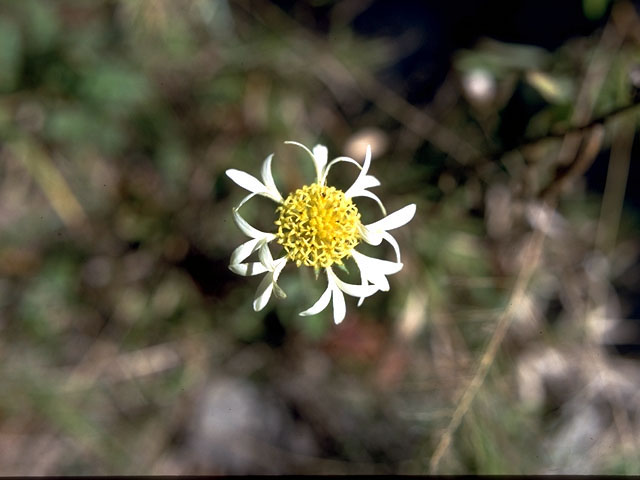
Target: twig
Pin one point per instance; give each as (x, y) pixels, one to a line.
(414, 119)
(583, 160)
(562, 133)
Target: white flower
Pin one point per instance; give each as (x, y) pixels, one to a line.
(318, 226)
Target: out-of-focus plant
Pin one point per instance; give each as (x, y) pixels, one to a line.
(127, 346)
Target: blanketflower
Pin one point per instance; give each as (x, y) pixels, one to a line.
(318, 226)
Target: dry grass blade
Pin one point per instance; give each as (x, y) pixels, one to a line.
(532, 254)
(616, 183)
(533, 250)
(582, 158)
(52, 183)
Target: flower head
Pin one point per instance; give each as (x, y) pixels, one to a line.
(318, 226)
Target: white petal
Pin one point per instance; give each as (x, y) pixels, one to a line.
(245, 200)
(278, 292)
(373, 196)
(249, 230)
(333, 162)
(350, 289)
(290, 142)
(375, 270)
(320, 305)
(364, 282)
(255, 186)
(244, 250)
(248, 269)
(362, 183)
(378, 265)
(263, 293)
(358, 184)
(367, 160)
(268, 283)
(387, 236)
(394, 220)
(267, 178)
(265, 257)
(279, 265)
(369, 236)
(246, 181)
(317, 162)
(320, 159)
(379, 280)
(339, 307)
(369, 181)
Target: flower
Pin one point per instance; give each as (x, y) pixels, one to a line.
(318, 226)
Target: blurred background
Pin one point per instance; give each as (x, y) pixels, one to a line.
(510, 341)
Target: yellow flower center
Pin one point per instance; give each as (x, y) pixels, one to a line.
(318, 226)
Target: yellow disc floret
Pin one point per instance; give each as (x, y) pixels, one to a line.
(318, 226)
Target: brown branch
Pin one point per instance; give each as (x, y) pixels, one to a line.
(558, 134)
(583, 160)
